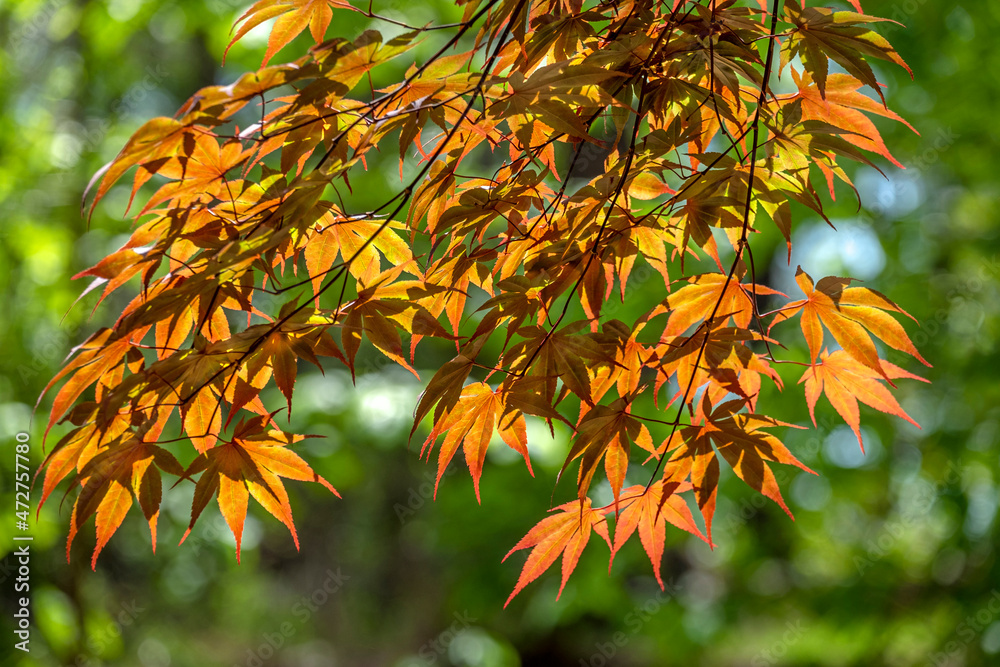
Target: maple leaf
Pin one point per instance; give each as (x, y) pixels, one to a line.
(845, 382)
(724, 359)
(471, 422)
(447, 385)
(740, 440)
(109, 478)
(200, 172)
(152, 144)
(850, 313)
(560, 354)
(251, 464)
(631, 357)
(552, 93)
(278, 356)
(95, 357)
(694, 302)
(294, 16)
(693, 143)
(841, 105)
(517, 298)
(566, 534)
(378, 311)
(606, 431)
(350, 238)
(822, 33)
(649, 510)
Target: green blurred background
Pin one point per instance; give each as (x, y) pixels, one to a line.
(891, 559)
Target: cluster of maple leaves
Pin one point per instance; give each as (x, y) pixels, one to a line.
(513, 267)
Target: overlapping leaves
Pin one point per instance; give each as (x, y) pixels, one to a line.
(251, 254)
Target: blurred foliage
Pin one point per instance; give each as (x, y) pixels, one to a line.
(891, 559)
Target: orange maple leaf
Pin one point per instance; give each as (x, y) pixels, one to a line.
(845, 382)
(841, 104)
(250, 465)
(294, 16)
(471, 423)
(109, 480)
(740, 440)
(566, 533)
(850, 313)
(606, 431)
(649, 510)
(693, 303)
